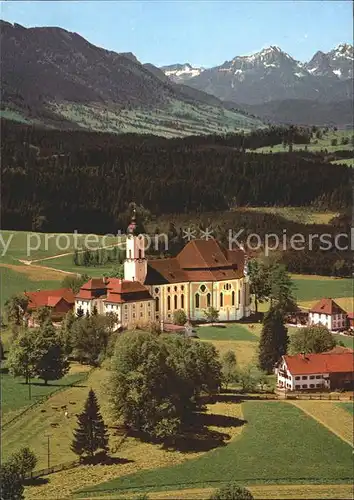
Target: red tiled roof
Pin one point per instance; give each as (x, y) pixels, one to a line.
(350, 315)
(94, 283)
(122, 291)
(327, 306)
(200, 260)
(49, 297)
(327, 362)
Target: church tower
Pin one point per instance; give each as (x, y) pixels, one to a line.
(135, 264)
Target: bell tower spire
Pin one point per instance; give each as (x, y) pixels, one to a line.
(135, 264)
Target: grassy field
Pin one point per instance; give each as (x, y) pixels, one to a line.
(272, 448)
(15, 393)
(309, 287)
(241, 339)
(221, 418)
(66, 263)
(331, 415)
(316, 144)
(303, 215)
(234, 332)
(263, 492)
(25, 279)
(349, 407)
(347, 341)
(345, 161)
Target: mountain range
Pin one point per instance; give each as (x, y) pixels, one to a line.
(263, 81)
(272, 74)
(57, 78)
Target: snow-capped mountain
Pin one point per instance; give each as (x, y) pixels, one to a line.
(180, 73)
(337, 62)
(272, 74)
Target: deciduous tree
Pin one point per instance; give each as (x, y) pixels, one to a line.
(52, 363)
(228, 368)
(179, 317)
(15, 307)
(312, 339)
(24, 461)
(11, 487)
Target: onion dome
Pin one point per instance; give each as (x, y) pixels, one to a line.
(132, 226)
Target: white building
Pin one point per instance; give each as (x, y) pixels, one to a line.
(328, 313)
(327, 370)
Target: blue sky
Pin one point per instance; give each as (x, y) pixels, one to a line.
(199, 32)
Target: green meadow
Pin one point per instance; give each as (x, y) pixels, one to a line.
(278, 444)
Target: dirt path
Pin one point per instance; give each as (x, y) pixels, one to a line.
(32, 263)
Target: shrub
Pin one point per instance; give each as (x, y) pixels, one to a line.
(232, 492)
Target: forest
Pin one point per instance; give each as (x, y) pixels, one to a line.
(65, 180)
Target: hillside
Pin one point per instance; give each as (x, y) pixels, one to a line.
(57, 78)
(305, 112)
(65, 180)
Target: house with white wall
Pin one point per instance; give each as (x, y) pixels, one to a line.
(328, 313)
(327, 370)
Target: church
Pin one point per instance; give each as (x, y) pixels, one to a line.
(202, 275)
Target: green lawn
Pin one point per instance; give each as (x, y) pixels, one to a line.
(318, 287)
(15, 393)
(66, 263)
(347, 341)
(13, 282)
(348, 407)
(29, 245)
(230, 332)
(278, 444)
(324, 143)
(344, 161)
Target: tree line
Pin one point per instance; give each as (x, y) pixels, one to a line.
(61, 181)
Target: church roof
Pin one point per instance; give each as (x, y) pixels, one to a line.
(200, 260)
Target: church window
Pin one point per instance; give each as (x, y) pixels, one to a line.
(175, 301)
(140, 254)
(169, 303)
(182, 288)
(175, 289)
(157, 290)
(202, 288)
(239, 296)
(233, 298)
(157, 304)
(168, 289)
(182, 301)
(141, 305)
(221, 299)
(197, 300)
(208, 299)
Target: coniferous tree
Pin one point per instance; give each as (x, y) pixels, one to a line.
(91, 434)
(274, 340)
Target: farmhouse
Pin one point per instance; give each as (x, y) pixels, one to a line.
(59, 301)
(328, 370)
(328, 313)
(202, 275)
